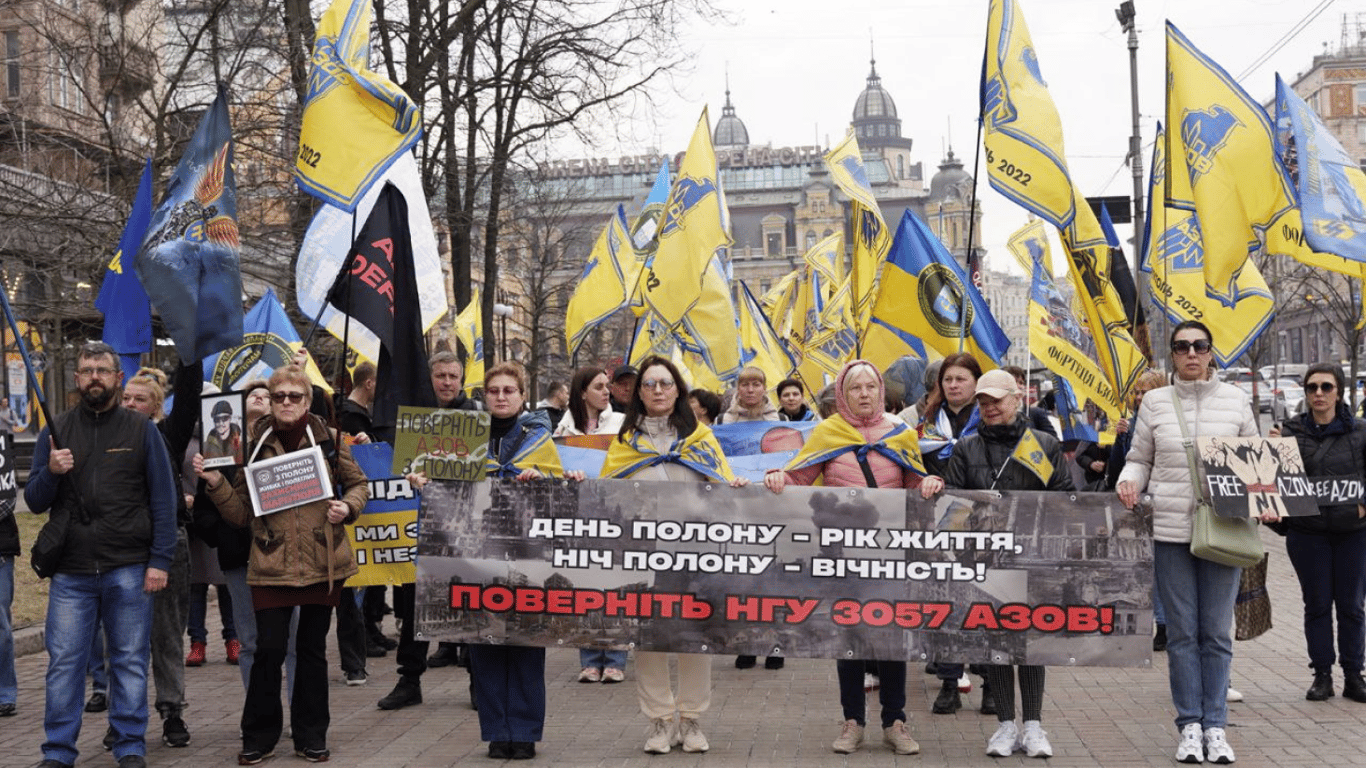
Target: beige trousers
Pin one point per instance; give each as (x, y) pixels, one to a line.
(656, 695)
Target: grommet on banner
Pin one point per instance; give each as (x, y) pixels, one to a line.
(707, 487)
(560, 641)
(849, 654)
(1072, 497)
(777, 651)
(853, 493)
(704, 646)
(1071, 661)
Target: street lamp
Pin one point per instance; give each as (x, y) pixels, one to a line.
(503, 312)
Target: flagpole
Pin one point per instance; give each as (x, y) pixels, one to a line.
(346, 319)
(972, 249)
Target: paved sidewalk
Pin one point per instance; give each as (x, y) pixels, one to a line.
(760, 718)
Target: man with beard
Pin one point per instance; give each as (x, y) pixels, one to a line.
(104, 469)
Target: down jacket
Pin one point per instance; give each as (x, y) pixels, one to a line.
(290, 548)
(1157, 459)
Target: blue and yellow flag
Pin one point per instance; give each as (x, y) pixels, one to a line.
(1029, 246)
(1031, 455)
(1174, 254)
(1021, 129)
(924, 295)
(124, 304)
(829, 340)
(533, 450)
(710, 328)
(1221, 141)
(826, 258)
(270, 342)
(644, 235)
(602, 286)
(760, 345)
(835, 436)
(871, 237)
(189, 260)
(693, 232)
(699, 452)
(355, 122)
(469, 329)
(1064, 345)
(1330, 185)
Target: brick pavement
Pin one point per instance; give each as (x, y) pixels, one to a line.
(766, 719)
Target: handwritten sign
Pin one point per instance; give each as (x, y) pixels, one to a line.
(444, 443)
(1249, 476)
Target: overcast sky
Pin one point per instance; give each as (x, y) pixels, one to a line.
(797, 66)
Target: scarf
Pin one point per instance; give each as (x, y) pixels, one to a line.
(525, 446)
(939, 435)
(699, 452)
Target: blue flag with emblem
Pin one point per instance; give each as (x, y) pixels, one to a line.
(189, 261)
(122, 300)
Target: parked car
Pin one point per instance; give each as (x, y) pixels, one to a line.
(1252, 383)
(1287, 399)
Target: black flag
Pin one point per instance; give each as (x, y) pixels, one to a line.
(379, 290)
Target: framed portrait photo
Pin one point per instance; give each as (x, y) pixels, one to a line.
(223, 417)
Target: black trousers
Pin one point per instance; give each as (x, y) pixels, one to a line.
(263, 714)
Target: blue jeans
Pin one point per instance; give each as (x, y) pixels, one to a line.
(602, 658)
(1332, 572)
(1198, 596)
(75, 603)
(98, 667)
(9, 684)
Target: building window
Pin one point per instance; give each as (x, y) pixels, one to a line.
(775, 244)
(901, 166)
(1361, 98)
(12, 63)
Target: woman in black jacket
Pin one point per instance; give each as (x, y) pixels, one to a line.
(987, 461)
(1328, 550)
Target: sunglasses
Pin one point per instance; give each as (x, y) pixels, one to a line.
(280, 397)
(222, 418)
(1201, 346)
(1326, 387)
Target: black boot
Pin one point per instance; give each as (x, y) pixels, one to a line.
(406, 693)
(773, 662)
(948, 701)
(988, 701)
(745, 662)
(1322, 689)
(1160, 639)
(1353, 687)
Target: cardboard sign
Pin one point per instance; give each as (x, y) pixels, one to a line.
(444, 443)
(288, 481)
(1249, 476)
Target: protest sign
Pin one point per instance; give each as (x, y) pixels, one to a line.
(287, 481)
(1249, 476)
(223, 417)
(444, 443)
(1037, 578)
(384, 537)
(8, 484)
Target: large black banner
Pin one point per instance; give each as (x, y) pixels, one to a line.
(1030, 578)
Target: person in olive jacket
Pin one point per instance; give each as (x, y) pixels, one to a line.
(1328, 550)
(300, 556)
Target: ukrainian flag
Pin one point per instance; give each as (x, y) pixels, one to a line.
(1022, 133)
(926, 302)
(871, 238)
(355, 122)
(1331, 186)
(1031, 455)
(1221, 142)
(469, 329)
(760, 345)
(601, 288)
(692, 233)
(1064, 345)
(1174, 255)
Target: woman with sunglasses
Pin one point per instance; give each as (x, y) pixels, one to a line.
(662, 440)
(1197, 594)
(300, 558)
(1328, 550)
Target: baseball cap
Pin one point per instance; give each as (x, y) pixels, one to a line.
(624, 370)
(997, 384)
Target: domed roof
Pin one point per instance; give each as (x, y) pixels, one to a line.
(951, 182)
(874, 102)
(730, 130)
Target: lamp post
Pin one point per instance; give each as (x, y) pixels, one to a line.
(503, 312)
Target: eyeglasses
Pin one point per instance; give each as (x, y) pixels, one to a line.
(1326, 387)
(88, 372)
(280, 397)
(1201, 346)
(503, 392)
(662, 384)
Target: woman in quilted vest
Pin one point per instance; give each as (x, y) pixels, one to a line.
(1198, 594)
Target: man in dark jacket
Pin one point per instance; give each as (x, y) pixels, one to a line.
(111, 480)
(448, 382)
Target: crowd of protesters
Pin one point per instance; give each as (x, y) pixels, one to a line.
(129, 498)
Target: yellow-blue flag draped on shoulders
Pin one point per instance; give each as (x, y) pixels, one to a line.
(835, 436)
(699, 452)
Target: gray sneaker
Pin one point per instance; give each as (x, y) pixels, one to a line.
(662, 736)
(851, 736)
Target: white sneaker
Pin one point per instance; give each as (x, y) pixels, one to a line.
(662, 736)
(1233, 695)
(1034, 740)
(1191, 748)
(1005, 740)
(851, 736)
(1217, 749)
(899, 739)
(690, 733)
(870, 682)
(964, 684)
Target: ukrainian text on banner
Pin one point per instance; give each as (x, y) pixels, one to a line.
(384, 537)
(1037, 578)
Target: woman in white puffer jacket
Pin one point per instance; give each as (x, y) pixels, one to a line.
(1198, 595)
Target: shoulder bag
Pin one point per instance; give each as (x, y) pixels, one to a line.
(1225, 540)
